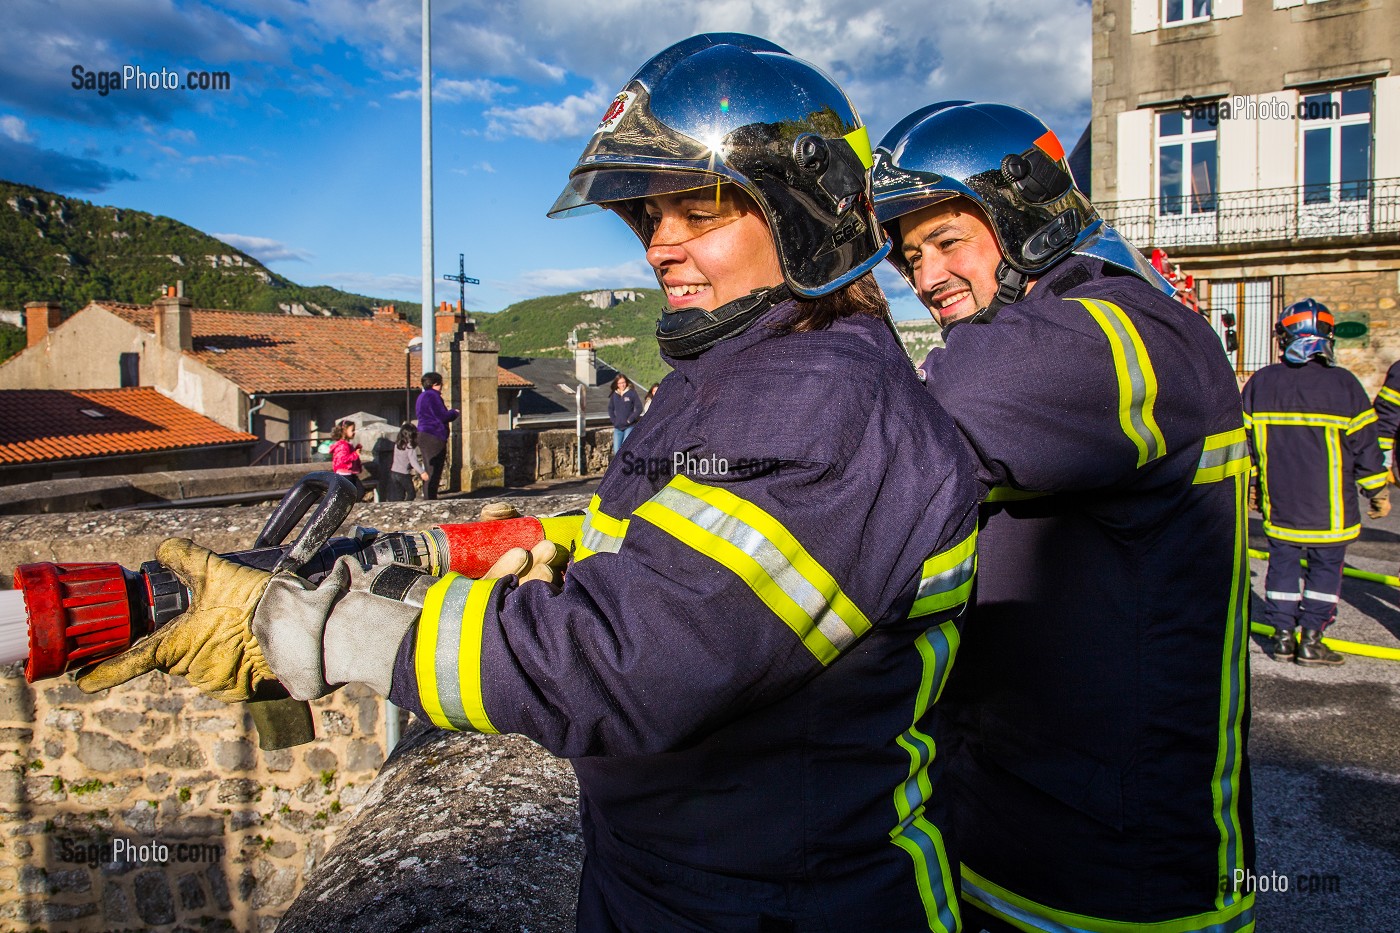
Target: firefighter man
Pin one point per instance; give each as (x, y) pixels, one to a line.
(1101, 697)
(1312, 435)
(744, 662)
(1387, 405)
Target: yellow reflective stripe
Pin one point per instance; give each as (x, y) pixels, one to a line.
(1234, 673)
(1011, 494)
(1387, 443)
(1223, 455)
(447, 653)
(1261, 468)
(1026, 914)
(914, 834)
(1137, 381)
(1335, 504)
(600, 532)
(1389, 394)
(1298, 536)
(1374, 481)
(859, 139)
(1362, 420)
(945, 580)
(1300, 419)
(756, 547)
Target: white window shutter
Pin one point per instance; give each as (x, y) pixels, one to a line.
(1224, 9)
(1134, 146)
(1146, 14)
(1285, 4)
(1386, 148)
(1278, 140)
(1238, 152)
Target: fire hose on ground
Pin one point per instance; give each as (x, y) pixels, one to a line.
(66, 617)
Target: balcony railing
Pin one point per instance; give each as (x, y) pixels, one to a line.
(1305, 212)
(280, 453)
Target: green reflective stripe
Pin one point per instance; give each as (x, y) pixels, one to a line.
(1234, 674)
(918, 837)
(1300, 536)
(447, 653)
(745, 539)
(1374, 481)
(1362, 420)
(601, 532)
(946, 578)
(1137, 382)
(1389, 394)
(1223, 455)
(1026, 914)
(1303, 419)
(1011, 494)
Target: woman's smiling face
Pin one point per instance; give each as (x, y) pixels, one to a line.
(707, 252)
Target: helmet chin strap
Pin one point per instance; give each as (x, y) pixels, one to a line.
(691, 331)
(1011, 287)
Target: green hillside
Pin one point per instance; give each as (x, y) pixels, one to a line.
(624, 334)
(68, 250)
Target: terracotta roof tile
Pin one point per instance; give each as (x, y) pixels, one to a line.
(291, 353)
(38, 425)
(506, 379)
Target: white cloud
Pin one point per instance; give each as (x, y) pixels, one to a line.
(632, 274)
(447, 90)
(14, 128)
(571, 117)
(263, 249)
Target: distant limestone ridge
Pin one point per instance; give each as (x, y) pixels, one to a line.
(54, 248)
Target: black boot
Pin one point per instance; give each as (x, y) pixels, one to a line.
(1282, 645)
(1312, 652)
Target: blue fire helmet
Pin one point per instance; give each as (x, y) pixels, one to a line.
(1013, 167)
(730, 108)
(1305, 330)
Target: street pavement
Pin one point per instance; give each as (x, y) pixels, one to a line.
(1325, 745)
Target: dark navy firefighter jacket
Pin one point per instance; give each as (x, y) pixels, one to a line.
(1387, 405)
(1101, 695)
(1312, 434)
(743, 662)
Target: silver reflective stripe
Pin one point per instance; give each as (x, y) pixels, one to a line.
(1282, 597)
(1132, 364)
(1223, 455)
(1319, 597)
(595, 540)
(1033, 921)
(767, 555)
(448, 655)
(948, 580)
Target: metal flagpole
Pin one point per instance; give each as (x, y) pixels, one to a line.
(429, 304)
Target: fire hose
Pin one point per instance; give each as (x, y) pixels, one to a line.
(80, 614)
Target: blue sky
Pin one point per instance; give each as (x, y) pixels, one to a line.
(310, 160)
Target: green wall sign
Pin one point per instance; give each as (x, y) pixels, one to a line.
(1353, 329)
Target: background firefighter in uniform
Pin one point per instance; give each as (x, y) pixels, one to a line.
(1101, 696)
(1312, 435)
(1387, 405)
(743, 668)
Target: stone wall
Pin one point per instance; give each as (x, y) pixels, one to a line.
(1371, 296)
(155, 762)
(532, 456)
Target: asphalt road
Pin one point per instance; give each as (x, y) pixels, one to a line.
(1325, 745)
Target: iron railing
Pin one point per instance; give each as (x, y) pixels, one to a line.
(279, 453)
(1290, 215)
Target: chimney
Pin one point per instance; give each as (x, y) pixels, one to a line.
(388, 313)
(40, 317)
(172, 314)
(585, 363)
(449, 318)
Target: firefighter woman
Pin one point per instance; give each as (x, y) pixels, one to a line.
(743, 660)
(1101, 696)
(1312, 434)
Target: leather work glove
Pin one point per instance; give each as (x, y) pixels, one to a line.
(1253, 498)
(348, 628)
(212, 644)
(1380, 504)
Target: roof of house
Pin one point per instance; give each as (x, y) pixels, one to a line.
(265, 353)
(545, 401)
(40, 425)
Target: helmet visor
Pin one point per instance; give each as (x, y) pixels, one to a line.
(589, 190)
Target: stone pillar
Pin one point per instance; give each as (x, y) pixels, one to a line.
(467, 360)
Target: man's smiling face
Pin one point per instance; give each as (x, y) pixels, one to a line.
(952, 256)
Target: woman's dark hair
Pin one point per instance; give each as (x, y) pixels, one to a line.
(408, 437)
(862, 297)
(651, 393)
(431, 379)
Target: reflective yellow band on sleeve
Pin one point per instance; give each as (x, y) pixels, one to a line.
(1389, 394)
(1387, 443)
(1137, 381)
(1223, 455)
(755, 546)
(447, 653)
(600, 533)
(1012, 494)
(1367, 417)
(1026, 914)
(945, 581)
(1374, 481)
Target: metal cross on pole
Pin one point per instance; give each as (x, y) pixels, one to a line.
(462, 281)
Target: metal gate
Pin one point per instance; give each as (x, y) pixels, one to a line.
(1256, 304)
